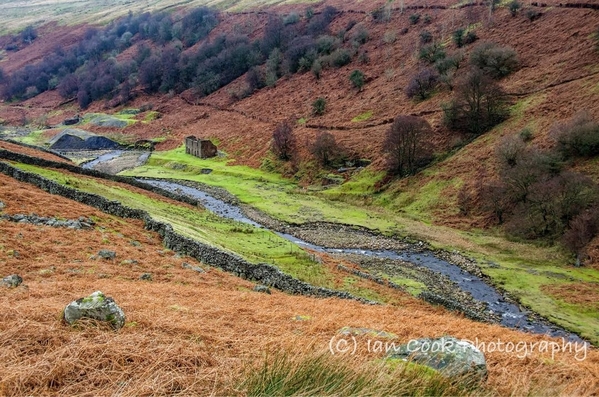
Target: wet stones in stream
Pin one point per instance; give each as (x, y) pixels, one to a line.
(440, 290)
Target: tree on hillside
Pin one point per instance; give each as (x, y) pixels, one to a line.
(478, 105)
(325, 148)
(283, 141)
(29, 34)
(405, 146)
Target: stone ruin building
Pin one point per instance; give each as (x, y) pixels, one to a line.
(202, 148)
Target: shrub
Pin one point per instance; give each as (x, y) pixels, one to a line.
(526, 134)
(458, 37)
(582, 229)
(309, 13)
(551, 205)
(470, 37)
(390, 37)
(357, 79)
(317, 69)
(422, 85)
(28, 34)
(494, 60)
(427, 19)
(405, 146)
(426, 37)
(514, 6)
(291, 19)
(319, 106)
(340, 57)
(283, 141)
(533, 15)
(431, 53)
(414, 18)
(325, 149)
(361, 36)
(509, 151)
(381, 14)
(327, 44)
(577, 137)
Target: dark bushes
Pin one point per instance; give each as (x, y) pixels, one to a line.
(494, 60)
(577, 137)
(422, 85)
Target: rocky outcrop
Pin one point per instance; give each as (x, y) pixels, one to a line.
(198, 269)
(262, 288)
(97, 306)
(106, 254)
(81, 223)
(451, 357)
(12, 281)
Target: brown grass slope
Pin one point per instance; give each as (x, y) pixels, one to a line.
(194, 333)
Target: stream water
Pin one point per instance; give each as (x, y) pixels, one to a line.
(511, 315)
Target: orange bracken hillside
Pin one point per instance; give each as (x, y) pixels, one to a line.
(190, 332)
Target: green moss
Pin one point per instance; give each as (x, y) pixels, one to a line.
(362, 117)
(151, 116)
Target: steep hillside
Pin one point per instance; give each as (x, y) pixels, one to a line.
(200, 333)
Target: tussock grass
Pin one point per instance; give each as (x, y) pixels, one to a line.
(322, 374)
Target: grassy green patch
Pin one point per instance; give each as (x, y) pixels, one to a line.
(256, 245)
(400, 210)
(151, 116)
(362, 117)
(33, 138)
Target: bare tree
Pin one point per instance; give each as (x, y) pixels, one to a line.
(478, 106)
(325, 148)
(283, 141)
(405, 145)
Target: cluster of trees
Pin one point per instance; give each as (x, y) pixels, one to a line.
(478, 102)
(89, 71)
(535, 196)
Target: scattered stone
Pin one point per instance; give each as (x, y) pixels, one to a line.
(97, 306)
(206, 171)
(452, 357)
(103, 275)
(13, 253)
(129, 262)
(262, 288)
(72, 120)
(198, 269)
(366, 331)
(12, 281)
(2, 206)
(146, 277)
(135, 243)
(107, 254)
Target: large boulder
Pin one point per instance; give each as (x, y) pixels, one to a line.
(12, 281)
(452, 357)
(97, 306)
